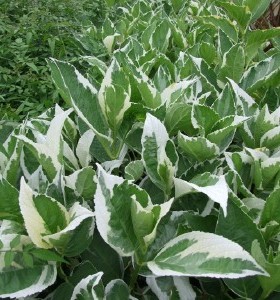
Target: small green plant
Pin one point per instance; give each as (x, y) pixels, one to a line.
(161, 178)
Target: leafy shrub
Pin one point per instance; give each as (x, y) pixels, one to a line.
(32, 31)
(171, 150)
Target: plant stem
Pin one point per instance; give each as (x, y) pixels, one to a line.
(265, 294)
(61, 273)
(134, 277)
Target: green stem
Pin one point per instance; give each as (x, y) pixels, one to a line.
(134, 277)
(61, 273)
(265, 294)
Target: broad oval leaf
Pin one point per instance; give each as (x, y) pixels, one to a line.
(238, 226)
(222, 23)
(213, 186)
(178, 118)
(125, 215)
(26, 282)
(114, 95)
(24, 279)
(89, 288)
(174, 91)
(49, 224)
(269, 168)
(237, 12)
(34, 222)
(225, 105)
(134, 170)
(82, 182)
(264, 73)
(204, 118)
(233, 64)
(208, 76)
(245, 104)
(224, 130)
(271, 139)
(117, 290)
(82, 96)
(197, 149)
(112, 209)
(204, 254)
(271, 209)
(48, 150)
(263, 124)
(158, 154)
(77, 235)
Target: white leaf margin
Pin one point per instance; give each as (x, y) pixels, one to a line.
(34, 223)
(102, 214)
(77, 214)
(83, 148)
(217, 192)
(47, 278)
(216, 246)
(92, 280)
(184, 288)
(153, 128)
(50, 145)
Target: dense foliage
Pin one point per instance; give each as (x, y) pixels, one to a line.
(161, 178)
(31, 32)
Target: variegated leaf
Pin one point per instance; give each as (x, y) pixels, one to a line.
(11, 159)
(50, 225)
(184, 288)
(125, 215)
(82, 182)
(75, 237)
(146, 219)
(224, 24)
(117, 290)
(114, 95)
(204, 118)
(233, 64)
(83, 148)
(204, 254)
(9, 204)
(174, 91)
(29, 281)
(245, 104)
(158, 154)
(26, 280)
(270, 168)
(48, 149)
(224, 130)
(264, 73)
(134, 170)
(89, 288)
(215, 187)
(208, 76)
(271, 139)
(78, 92)
(225, 105)
(263, 123)
(112, 210)
(37, 212)
(197, 148)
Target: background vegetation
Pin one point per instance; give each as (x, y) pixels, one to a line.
(30, 32)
